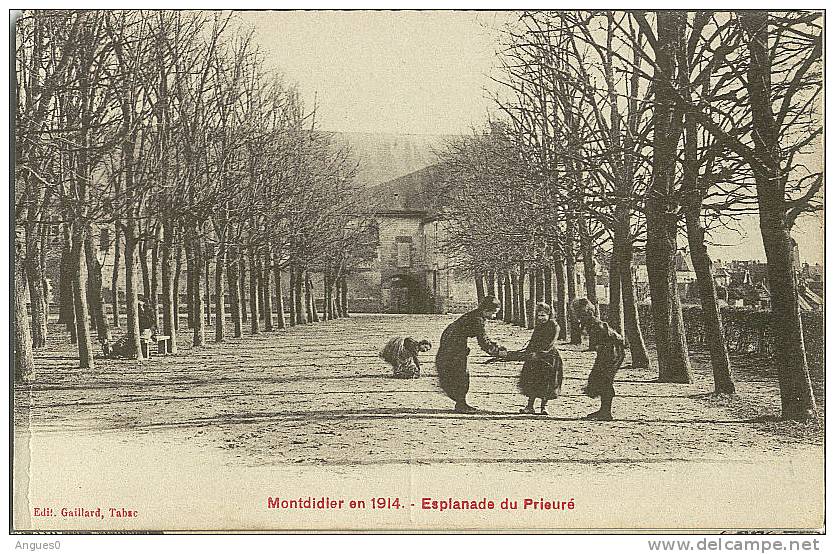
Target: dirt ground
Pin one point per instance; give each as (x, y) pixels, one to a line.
(314, 405)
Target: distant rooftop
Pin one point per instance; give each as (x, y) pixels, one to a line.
(415, 193)
(383, 157)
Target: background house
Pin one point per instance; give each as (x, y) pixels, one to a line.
(411, 274)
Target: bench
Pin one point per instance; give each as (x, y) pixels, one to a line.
(163, 345)
(144, 346)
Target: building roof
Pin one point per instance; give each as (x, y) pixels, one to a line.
(808, 300)
(386, 156)
(413, 194)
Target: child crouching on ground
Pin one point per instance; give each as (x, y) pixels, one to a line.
(402, 354)
(610, 353)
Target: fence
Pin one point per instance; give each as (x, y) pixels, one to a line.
(747, 330)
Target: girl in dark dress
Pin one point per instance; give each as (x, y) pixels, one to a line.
(541, 375)
(402, 354)
(610, 353)
(451, 359)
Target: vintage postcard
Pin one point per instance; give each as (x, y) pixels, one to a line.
(418, 271)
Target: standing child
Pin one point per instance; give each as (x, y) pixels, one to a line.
(402, 354)
(541, 375)
(610, 353)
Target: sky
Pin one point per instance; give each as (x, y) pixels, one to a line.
(410, 72)
(385, 72)
(808, 233)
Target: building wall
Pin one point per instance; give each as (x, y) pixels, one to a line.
(411, 273)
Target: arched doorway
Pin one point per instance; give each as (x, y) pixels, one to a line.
(409, 295)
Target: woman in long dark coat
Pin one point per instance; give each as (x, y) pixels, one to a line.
(451, 359)
(610, 348)
(542, 372)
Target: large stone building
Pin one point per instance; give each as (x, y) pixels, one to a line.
(411, 273)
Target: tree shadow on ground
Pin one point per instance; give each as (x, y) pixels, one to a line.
(437, 414)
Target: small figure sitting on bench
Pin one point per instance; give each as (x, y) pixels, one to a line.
(147, 334)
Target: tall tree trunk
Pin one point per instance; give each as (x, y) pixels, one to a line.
(67, 308)
(37, 292)
(309, 301)
(329, 303)
(796, 397)
(114, 280)
(46, 282)
(531, 304)
(500, 295)
(220, 293)
(479, 286)
(523, 304)
(170, 293)
(301, 318)
(798, 402)
(631, 320)
(94, 297)
(262, 296)
(235, 300)
(154, 297)
(199, 334)
(548, 284)
(337, 298)
(190, 281)
(267, 283)
(79, 287)
(520, 295)
(560, 300)
(574, 331)
(514, 281)
(243, 281)
(279, 295)
(131, 308)
(178, 266)
(711, 318)
(589, 263)
(490, 278)
(668, 325)
(508, 297)
(294, 319)
(207, 290)
(146, 272)
(614, 312)
(24, 359)
(343, 294)
(254, 309)
(702, 264)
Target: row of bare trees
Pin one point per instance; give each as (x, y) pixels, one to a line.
(167, 128)
(631, 130)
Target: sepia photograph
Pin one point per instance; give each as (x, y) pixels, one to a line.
(418, 271)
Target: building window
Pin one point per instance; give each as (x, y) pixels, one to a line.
(404, 254)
